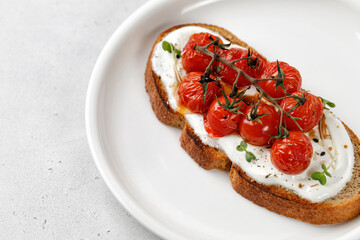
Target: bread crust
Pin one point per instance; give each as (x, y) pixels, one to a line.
(344, 206)
(287, 203)
(157, 93)
(207, 157)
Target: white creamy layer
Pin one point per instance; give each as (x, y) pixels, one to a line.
(263, 171)
(338, 149)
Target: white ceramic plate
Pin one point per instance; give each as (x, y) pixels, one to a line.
(141, 159)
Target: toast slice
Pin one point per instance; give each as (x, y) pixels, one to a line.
(344, 206)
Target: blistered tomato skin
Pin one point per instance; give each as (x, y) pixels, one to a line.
(292, 155)
(310, 113)
(191, 93)
(220, 122)
(193, 60)
(292, 81)
(257, 133)
(229, 75)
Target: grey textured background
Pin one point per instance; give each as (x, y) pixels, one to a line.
(50, 187)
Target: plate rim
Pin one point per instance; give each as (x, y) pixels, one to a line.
(93, 136)
(92, 124)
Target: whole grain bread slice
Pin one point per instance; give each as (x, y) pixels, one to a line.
(344, 206)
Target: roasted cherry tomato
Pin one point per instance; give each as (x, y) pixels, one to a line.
(221, 122)
(248, 65)
(191, 93)
(257, 133)
(292, 81)
(193, 60)
(310, 112)
(292, 155)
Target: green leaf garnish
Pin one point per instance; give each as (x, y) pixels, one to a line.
(321, 176)
(325, 170)
(170, 48)
(326, 103)
(322, 180)
(323, 167)
(239, 148)
(316, 175)
(248, 155)
(166, 46)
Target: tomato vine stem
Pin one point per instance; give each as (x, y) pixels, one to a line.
(282, 131)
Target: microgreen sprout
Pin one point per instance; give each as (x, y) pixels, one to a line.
(326, 103)
(248, 155)
(171, 48)
(321, 176)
